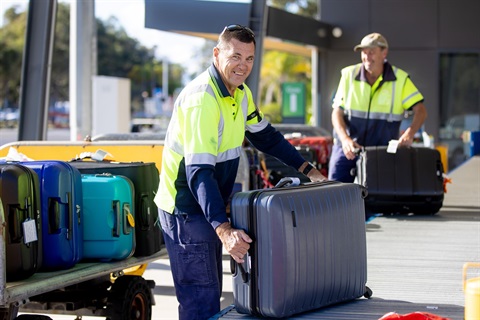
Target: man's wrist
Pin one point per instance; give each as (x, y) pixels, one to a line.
(222, 228)
(307, 168)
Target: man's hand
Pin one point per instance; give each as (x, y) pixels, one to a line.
(235, 241)
(350, 148)
(316, 176)
(406, 139)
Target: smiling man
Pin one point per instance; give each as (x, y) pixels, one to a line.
(369, 105)
(211, 117)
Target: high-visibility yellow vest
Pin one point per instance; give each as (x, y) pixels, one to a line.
(385, 101)
(207, 128)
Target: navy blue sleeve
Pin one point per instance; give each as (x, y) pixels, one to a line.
(272, 142)
(204, 187)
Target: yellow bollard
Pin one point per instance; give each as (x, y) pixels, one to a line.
(472, 293)
(443, 149)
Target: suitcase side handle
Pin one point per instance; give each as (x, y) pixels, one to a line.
(13, 224)
(294, 181)
(116, 218)
(70, 215)
(53, 215)
(234, 265)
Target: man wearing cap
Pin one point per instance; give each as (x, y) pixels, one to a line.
(368, 107)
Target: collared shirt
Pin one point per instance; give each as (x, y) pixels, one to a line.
(203, 144)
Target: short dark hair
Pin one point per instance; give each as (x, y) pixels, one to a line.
(238, 32)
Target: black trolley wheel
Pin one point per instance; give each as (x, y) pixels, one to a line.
(368, 293)
(130, 298)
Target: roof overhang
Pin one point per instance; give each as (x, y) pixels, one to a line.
(284, 31)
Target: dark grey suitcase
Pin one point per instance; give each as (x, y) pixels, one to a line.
(410, 180)
(20, 197)
(308, 250)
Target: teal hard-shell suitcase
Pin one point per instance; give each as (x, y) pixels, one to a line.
(109, 217)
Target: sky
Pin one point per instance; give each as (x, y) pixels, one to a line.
(175, 48)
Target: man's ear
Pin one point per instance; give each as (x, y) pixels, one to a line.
(216, 52)
(385, 52)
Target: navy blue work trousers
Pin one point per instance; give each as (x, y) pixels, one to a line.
(339, 167)
(195, 253)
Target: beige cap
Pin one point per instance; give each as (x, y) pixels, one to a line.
(372, 40)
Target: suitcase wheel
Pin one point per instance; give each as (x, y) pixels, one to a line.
(368, 293)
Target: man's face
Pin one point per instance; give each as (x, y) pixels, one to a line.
(234, 61)
(373, 58)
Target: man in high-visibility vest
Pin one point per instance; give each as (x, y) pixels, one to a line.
(369, 106)
(211, 117)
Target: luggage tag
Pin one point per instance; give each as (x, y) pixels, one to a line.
(392, 146)
(29, 231)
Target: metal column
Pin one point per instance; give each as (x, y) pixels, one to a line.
(82, 67)
(258, 23)
(36, 70)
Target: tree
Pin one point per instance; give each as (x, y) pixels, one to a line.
(60, 57)
(119, 55)
(11, 49)
(277, 68)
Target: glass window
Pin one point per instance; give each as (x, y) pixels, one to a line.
(459, 102)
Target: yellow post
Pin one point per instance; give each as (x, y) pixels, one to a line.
(443, 149)
(472, 293)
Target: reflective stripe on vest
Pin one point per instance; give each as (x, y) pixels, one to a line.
(386, 102)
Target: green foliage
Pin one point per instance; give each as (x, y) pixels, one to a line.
(118, 55)
(11, 50)
(60, 57)
(277, 68)
(122, 56)
(272, 112)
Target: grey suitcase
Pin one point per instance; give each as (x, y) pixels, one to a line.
(308, 250)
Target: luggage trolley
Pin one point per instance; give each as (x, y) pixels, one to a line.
(115, 289)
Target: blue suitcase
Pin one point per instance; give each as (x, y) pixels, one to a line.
(109, 217)
(20, 204)
(61, 211)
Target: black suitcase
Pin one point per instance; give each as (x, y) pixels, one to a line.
(145, 178)
(308, 250)
(20, 197)
(408, 181)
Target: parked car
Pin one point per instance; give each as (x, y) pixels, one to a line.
(9, 118)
